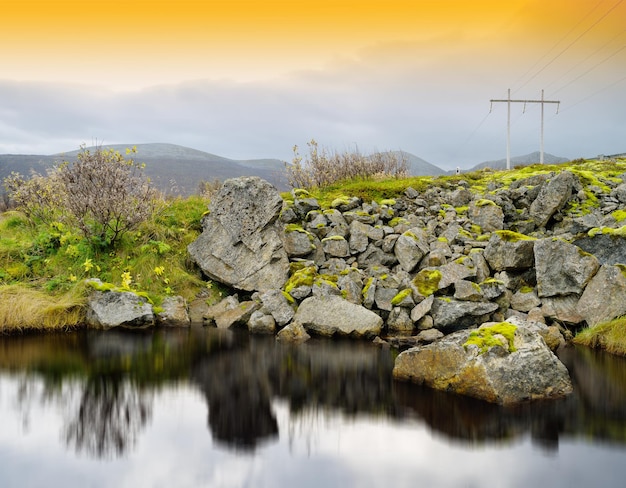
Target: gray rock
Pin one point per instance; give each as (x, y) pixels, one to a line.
(261, 323)
(334, 315)
(525, 300)
(486, 214)
(422, 308)
(562, 308)
(410, 248)
(552, 197)
(453, 272)
(449, 314)
(278, 306)
(174, 312)
(238, 315)
(468, 291)
(218, 309)
(294, 333)
(508, 250)
(500, 374)
(383, 297)
(429, 335)
(607, 248)
(604, 297)
(241, 243)
(562, 268)
(336, 246)
(298, 242)
(399, 321)
(108, 309)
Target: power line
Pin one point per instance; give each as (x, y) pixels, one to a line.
(558, 42)
(572, 43)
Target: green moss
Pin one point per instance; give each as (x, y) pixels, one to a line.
(510, 236)
(333, 238)
(427, 281)
(483, 237)
(461, 210)
(526, 289)
(288, 297)
(398, 221)
(484, 201)
(621, 231)
(301, 193)
(485, 339)
(442, 239)
(367, 286)
(476, 229)
(619, 215)
(302, 277)
(388, 201)
(339, 201)
(401, 296)
(295, 228)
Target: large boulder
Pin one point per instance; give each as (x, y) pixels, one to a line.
(608, 248)
(562, 268)
(173, 312)
(241, 243)
(507, 250)
(486, 214)
(108, 309)
(499, 362)
(604, 297)
(552, 197)
(333, 315)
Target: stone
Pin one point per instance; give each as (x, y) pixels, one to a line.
(429, 335)
(384, 296)
(562, 268)
(486, 214)
(278, 306)
(214, 311)
(468, 291)
(399, 321)
(562, 308)
(607, 248)
(294, 333)
(298, 242)
(336, 246)
(450, 314)
(525, 300)
(237, 315)
(335, 316)
(261, 323)
(507, 250)
(241, 243)
(108, 309)
(422, 308)
(551, 198)
(453, 272)
(174, 312)
(503, 373)
(410, 248)
(604, 297)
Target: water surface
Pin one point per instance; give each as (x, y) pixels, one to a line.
(204, 407)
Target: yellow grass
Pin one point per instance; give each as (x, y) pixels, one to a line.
(610, 336)
(25, 308)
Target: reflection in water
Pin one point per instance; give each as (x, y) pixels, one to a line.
(240, 377)
(109, 418)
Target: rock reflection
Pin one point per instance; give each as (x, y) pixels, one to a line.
(111, 414)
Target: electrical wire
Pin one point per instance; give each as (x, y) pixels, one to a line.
(572, 43)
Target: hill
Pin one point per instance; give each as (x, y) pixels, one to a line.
(173, 169)
(178, 169)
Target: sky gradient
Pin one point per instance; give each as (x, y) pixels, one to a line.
(249, 79)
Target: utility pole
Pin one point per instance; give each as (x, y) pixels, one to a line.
(508, 101)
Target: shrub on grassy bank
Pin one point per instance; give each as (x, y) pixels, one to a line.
(322, 167)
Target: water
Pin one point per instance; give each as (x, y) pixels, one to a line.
(204, 407)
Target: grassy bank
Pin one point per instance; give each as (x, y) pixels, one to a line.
(609, 336)
(43, 265)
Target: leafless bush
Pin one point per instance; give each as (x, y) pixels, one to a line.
(106, 193)
(102, 193)
(207, 189)
(322, 167)
(38, 196)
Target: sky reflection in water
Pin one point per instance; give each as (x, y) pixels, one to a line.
(329, 416)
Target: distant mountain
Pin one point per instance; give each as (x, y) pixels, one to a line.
(524, 160)
(173, 169)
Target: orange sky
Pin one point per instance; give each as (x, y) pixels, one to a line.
(143, 42)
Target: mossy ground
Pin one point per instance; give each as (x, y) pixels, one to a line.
(486, 337)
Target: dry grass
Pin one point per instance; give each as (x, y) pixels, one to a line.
(609, 336)
(26, 308)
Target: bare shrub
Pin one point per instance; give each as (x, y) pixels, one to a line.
(106, 194)
(38, 196)
(323, 168)
(207, 189)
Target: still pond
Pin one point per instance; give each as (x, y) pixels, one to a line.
(203, 407)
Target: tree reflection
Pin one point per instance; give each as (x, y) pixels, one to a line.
(109, 418)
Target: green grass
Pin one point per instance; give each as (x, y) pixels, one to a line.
(609, 336)
(41, 262)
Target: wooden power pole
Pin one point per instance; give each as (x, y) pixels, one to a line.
(509, 101)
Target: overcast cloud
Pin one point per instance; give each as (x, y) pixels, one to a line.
(432, 103)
